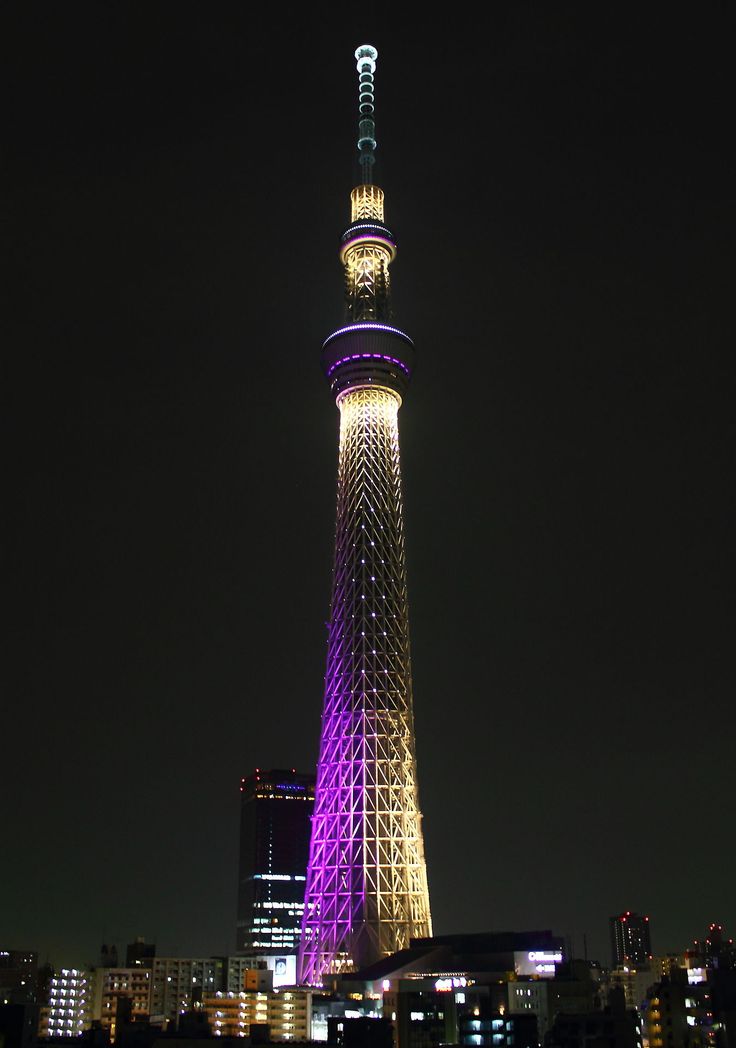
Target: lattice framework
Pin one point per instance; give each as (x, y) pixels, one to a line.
(366, 892)
(367, 287)
(366, 202)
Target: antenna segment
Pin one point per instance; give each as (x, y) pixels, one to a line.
(366, 56)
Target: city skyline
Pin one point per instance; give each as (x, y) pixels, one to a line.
(561, 195)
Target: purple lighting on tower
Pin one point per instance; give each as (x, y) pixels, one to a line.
(367, 356)
(366, 891)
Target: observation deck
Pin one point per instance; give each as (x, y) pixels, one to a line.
(368, 354)
(369, 234)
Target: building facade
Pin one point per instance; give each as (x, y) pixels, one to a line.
(680, 1014)
(366, 892)
(19, 998)
(121, 996)
(18, 976)
(69, 1010)
(614, 1026)
(140, 954)
(635, 983)
(630, 940)
(286, 1013)
(275, 812)
(180, 983)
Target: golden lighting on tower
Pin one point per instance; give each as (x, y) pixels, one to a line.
(366, 204)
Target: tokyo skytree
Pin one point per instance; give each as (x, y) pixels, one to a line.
(366, 890)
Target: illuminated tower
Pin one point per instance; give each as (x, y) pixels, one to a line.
(366, 891)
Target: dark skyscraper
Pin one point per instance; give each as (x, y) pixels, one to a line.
(275, 812)
(630, 941)
(140, 954)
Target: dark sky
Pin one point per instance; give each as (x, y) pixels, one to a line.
(175, 181)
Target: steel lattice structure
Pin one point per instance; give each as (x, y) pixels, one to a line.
(366, 892)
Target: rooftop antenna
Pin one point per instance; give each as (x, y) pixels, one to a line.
(366, 56)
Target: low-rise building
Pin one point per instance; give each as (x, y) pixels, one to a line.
(68, 1012)
(634, 982)
(681, 1014)
(121, 995)
(287, 1013)
(614, 1026)
(180, 983)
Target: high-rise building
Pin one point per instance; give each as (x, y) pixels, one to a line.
(630, 940)
(366, 893)
(275, 811)
(139, 954)
(714, 951)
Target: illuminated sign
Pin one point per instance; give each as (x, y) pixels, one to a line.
(277, 877)
(284, 970)
(445, 985)
(537, 962)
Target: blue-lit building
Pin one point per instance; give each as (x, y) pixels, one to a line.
(275, 819)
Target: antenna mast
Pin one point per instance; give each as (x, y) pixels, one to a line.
(366, 56)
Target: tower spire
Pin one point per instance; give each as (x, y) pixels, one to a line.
(366, 56)
(368, 246)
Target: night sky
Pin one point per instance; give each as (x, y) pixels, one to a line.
(560, 180)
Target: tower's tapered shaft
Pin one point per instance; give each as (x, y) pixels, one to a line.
(366, 890)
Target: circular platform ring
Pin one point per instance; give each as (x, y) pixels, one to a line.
(368, 354)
